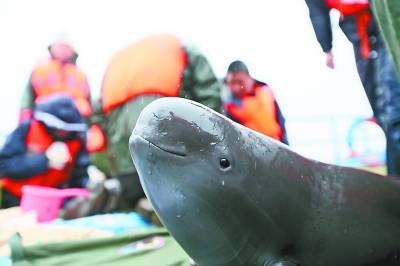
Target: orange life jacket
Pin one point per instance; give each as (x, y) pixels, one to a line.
(55, 76)
(359, 9)
(37, 141)
(154, 65)
(258, 112)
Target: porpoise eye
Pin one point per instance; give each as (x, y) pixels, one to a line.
(224, 163)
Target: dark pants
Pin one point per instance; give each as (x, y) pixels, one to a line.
(381, 85)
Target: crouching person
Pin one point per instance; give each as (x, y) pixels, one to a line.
(48, 150)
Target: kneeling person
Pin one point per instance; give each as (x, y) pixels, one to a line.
(48, 150)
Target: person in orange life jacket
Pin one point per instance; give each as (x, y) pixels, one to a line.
(58, 74)
(374, 64)
(47, 149)
(159, 65)
(252, 103)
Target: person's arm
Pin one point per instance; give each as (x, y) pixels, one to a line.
(281, 121)
(87, 108)
(28, 101)
(320, 19)
(199, 81)
(15, 162)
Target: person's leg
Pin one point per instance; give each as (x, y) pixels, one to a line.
(380, 82)
(365, 67)
(388, 105)
(393, 155)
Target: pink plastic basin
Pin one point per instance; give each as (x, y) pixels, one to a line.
(47, 201)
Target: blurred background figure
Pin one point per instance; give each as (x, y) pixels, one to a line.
(58, 74)
(375, 67)
(154, 67)
(252, 103)
(47, 149)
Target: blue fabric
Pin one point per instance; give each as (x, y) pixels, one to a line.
(62, 107)
(321, 22)
(15, 162)
(117, 223)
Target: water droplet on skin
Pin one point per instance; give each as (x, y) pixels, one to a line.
(178, 216)
(202, 149)
(223, 182)
(213, 143)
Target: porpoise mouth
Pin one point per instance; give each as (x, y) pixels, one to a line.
(178, 150)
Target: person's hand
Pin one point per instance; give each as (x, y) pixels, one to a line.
(58, 155)
(95, 174)
(329, 60)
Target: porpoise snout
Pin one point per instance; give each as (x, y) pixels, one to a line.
(164, 123)
(178, 126)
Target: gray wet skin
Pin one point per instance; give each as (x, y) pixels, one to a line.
(267, 205)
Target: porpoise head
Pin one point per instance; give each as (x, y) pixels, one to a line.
(193, 167)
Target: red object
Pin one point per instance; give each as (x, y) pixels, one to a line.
(363, 21)
(348, 7)
(37, 141)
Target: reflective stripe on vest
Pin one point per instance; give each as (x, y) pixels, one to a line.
(37, 141)
(55, 77)
(258, 112)
(152, 66)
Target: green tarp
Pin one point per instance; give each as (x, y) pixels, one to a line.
(387, 13)
(151, 248)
